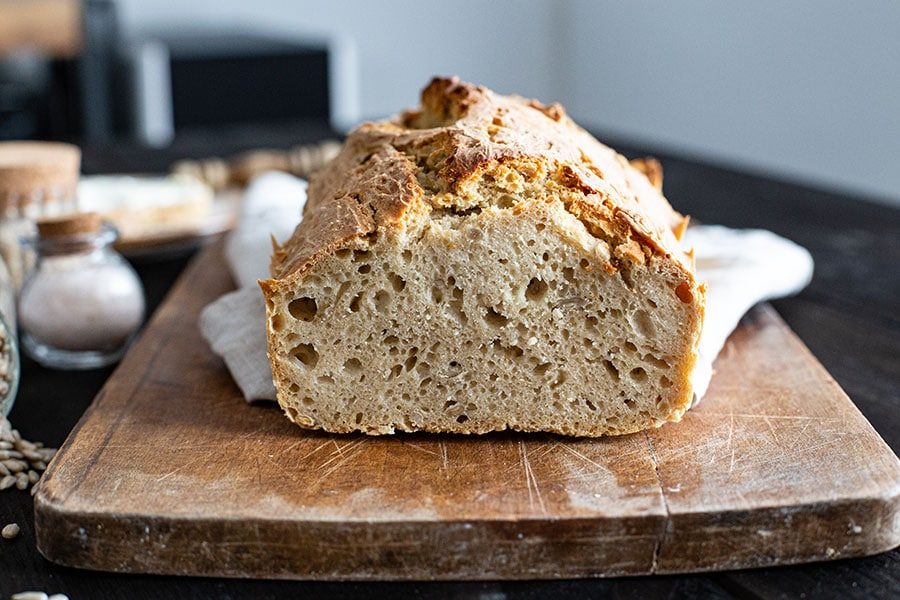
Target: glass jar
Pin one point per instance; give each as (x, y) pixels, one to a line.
(9, 367)
(81, 303)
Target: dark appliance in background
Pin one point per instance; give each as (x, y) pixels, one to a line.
(150, 90)
(205, 81)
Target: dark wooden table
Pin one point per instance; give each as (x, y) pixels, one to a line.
(849, 317)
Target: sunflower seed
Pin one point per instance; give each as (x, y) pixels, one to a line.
(3, 469)
(39, 465)
(30, 596)
(33, 476)
(58, 597)
(10, 531)
(32, 455)
(5, 445)
(21, 481)
(15, 465)
(7, 482)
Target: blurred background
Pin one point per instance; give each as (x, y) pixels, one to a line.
(807, 90)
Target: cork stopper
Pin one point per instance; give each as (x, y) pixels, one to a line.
(68, 225)
(36, 173)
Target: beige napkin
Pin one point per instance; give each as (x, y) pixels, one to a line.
(740, 267)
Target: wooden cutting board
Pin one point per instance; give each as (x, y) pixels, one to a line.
(170, 471)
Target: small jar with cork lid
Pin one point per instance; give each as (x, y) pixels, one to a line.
(81, 303)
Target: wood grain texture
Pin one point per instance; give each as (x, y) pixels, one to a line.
(170, 471)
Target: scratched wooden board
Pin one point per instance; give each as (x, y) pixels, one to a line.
(170, 471)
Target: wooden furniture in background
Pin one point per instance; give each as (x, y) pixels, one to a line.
(52, 27)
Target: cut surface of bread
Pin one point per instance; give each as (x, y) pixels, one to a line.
(479, 264)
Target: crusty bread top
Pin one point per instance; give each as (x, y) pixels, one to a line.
(431, 158)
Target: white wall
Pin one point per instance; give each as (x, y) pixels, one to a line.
(808, 88)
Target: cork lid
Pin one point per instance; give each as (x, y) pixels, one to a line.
(29, 167)
(68, 225)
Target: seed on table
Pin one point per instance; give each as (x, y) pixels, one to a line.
(30, 596)
(7, 482)
(39, 465)
(3, 469)
(15, 465)
(21, 481)
(33, 476)
(31, 455)
(10, 531)
(58, 597)
(5, 445)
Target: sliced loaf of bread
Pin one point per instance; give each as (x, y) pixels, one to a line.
(482, 263)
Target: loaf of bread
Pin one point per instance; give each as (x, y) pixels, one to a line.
(482, 263)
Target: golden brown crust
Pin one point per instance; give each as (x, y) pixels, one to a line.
(430, 157)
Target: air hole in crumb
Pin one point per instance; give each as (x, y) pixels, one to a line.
(665, 382)
(530, 243)
(656, 362)
(545, 256)
(304, 309)
(358, 419)
(590, 405)
(540, 227)
(391, 340)
(352, 365)
(495, 319)
(277, 322)
(364, 269)
(437, 296)
(506, 201)
(306, 354)
(638, 374)
(536, 289)
(325, 380)
(630, 403)
(629, 347)
(307, 401)
(642, 322)
(294, 388)
(397, 282)
(611, 369)
(462, 419)
(560, 379)
(343, 253)
(410, 362)
(683, 291)
(396, 370)
(584, 263)
(354, 303)
(450, 404)
(425, 382)
(542, 368)
(569, 274)
(407, 256)
(382, 301)
(360, 255)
